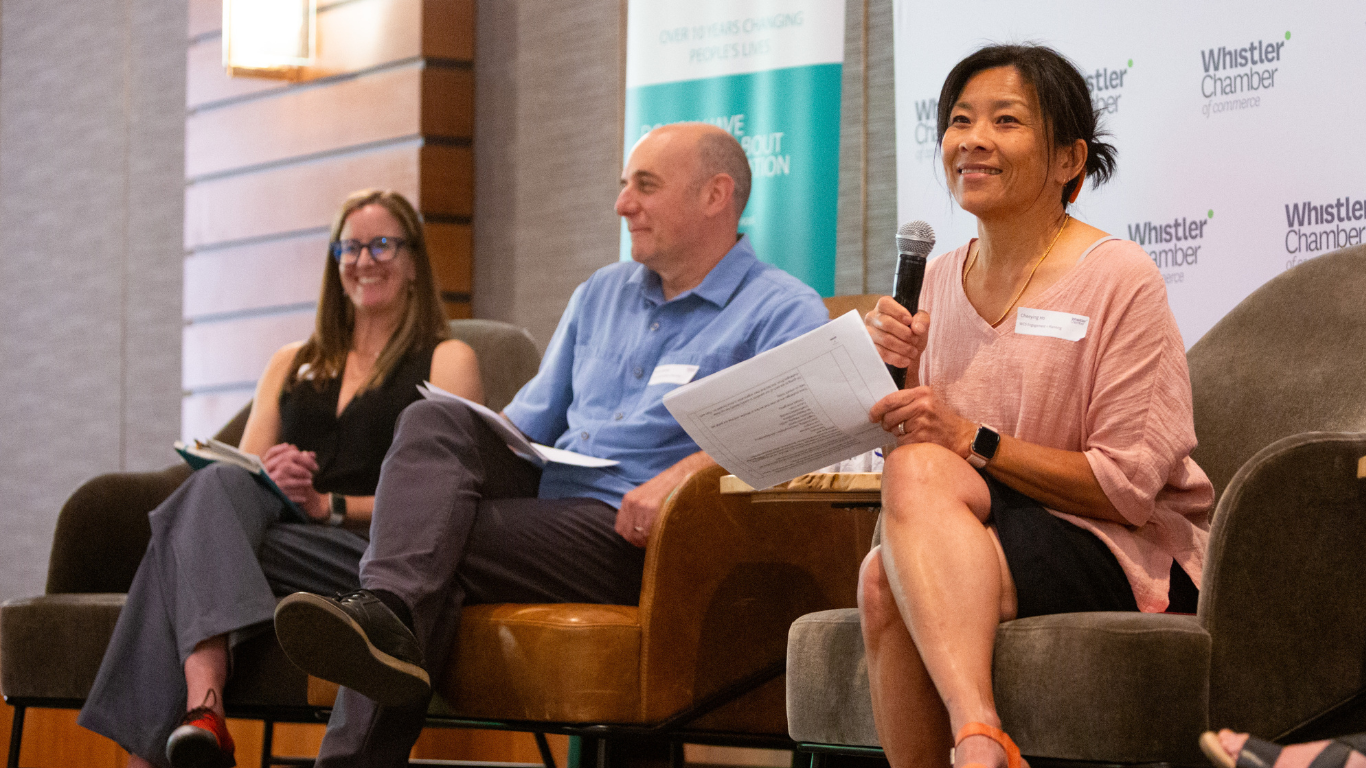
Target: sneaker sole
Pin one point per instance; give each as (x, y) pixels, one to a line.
(191, 747)
(324, 641)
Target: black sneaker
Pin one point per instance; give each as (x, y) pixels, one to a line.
(353, 640)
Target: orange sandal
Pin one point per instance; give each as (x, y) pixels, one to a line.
(996, 735)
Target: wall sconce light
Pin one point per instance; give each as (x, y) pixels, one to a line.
(269, 38)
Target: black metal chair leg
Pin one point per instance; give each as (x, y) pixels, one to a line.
(541, 744)
(16, 735)
(267, 743)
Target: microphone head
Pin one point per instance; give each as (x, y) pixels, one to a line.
(915, 238)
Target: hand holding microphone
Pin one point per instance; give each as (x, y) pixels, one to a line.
(914, 241)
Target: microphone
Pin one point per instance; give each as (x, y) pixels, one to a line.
(914, 241)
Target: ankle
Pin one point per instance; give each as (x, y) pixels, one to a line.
(395, 603)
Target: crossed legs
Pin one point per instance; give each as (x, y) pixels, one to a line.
(930, 599)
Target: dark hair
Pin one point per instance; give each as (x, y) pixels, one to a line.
(323, 356)
(1064, 102)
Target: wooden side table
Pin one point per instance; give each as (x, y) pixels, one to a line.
(843, 490)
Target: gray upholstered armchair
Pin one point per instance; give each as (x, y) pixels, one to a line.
(1278, 646)
(51, 645)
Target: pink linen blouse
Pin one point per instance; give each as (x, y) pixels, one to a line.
(1121, 395)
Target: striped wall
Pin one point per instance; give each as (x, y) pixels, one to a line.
(389, 103)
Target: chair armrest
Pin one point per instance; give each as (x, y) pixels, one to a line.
(1283, 594)
(102, 530)
(724, 579)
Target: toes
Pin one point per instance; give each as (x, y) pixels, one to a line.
(1232, 742)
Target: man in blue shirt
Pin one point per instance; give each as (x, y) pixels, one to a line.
(458, 518)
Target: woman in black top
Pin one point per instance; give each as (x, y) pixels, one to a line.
(322, 421)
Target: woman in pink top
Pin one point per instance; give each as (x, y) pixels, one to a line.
(1043, 460)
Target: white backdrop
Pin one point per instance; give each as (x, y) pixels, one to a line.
(1241, 129)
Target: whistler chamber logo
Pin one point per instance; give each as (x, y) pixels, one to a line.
(1236, 77)
(1172, 245)
(926, 128)
(1105, 85)
(1312, 228)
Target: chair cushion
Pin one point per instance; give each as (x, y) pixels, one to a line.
(53, 645)
(1106, 687)
(510, 664)
(827, 681)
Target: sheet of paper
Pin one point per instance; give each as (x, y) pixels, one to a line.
(533, 452)
(791, 410)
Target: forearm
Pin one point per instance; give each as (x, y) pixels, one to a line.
(1061, 480)
(689, 464)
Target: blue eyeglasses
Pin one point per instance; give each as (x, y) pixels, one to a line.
(381, 249)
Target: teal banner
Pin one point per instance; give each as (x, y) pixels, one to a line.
(788, 121)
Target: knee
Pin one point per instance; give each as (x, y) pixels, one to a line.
(425, 419)
(912, 473)
(876, 603)
(919, 464)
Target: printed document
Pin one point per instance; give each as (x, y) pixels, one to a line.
(791, 410)
(533, 452)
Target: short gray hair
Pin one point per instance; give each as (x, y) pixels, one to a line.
(719, 152)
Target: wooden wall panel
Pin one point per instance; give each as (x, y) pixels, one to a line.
(447, 183)
(236, 351)
(448, 102)
(302, 121)
(450, 248)
(448, 29)
(393, 31)
(294, 197)
(203, 415)
(253, 277)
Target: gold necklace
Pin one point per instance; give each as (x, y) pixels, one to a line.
(1047, 251)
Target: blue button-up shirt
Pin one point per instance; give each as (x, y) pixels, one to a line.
(593, 393)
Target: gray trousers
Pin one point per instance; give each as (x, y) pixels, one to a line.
(218, 558)
(456, 522)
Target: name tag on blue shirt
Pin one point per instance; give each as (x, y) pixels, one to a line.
(672, 374)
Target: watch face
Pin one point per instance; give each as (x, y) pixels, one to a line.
(986, 442)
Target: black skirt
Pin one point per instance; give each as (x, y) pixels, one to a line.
(1059, 567)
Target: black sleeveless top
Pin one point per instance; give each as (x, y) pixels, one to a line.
(351, 447)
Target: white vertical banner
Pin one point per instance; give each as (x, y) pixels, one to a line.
(768, 72)
(1239, 128)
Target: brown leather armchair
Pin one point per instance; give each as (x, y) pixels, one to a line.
(699, 659)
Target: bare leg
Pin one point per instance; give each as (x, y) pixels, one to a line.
(947, 575)
(136, 762)
(206, 672)
(911, 720)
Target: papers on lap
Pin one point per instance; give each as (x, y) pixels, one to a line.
(517, 443)
(793, 409)
(202, 453)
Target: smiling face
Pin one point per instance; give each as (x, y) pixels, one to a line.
(373, 286)
(661, 199)
(995, 147)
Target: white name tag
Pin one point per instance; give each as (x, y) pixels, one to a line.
(1044, 322)
(672, 374)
